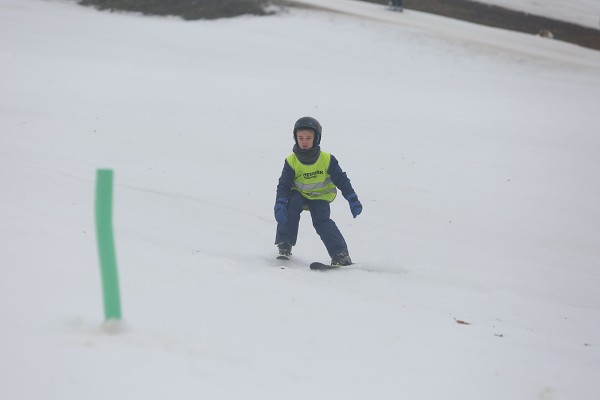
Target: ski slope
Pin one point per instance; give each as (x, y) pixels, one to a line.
(474, 152)
(456, 30)
(581, 12)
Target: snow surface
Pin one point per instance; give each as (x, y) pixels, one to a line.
(475, 157)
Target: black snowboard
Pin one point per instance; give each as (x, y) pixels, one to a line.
(323, 267)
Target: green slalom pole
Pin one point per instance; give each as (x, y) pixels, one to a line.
(106, 244)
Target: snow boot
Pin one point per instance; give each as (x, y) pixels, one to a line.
(341, 258)
(285, 249)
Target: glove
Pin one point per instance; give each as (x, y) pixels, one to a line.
(355, 206)
(281, 210)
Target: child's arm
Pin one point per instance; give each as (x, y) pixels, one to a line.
(286, 180)
(341, 180)
(339, 177)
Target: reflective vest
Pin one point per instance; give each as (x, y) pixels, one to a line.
(313, 181)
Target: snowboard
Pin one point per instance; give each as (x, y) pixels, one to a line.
(318, 266)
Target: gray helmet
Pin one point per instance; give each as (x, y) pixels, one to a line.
(309, 123)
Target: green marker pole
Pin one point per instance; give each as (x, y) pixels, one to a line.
(106, 244)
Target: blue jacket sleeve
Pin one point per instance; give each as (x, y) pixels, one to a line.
(339, 177)
(286, 181)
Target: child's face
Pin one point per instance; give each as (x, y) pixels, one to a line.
(305, 138)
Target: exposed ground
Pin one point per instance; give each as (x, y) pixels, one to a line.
(187, 9)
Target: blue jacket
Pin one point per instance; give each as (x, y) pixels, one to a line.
(338, 177)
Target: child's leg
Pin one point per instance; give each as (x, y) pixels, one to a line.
(326, 228)
(288, 232)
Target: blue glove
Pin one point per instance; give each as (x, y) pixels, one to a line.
(281, 210)
(355, 206)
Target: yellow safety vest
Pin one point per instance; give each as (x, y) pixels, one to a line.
(313, 181)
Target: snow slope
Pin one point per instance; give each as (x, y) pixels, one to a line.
(476, 161)
(581, 12)
(471, 33)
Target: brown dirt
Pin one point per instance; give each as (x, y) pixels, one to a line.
(186, 9)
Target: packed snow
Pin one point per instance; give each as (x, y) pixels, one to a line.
(473, 150)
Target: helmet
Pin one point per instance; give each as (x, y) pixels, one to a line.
(309, 123)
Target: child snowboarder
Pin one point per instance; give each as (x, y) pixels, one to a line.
(309, 180)
(396, 5)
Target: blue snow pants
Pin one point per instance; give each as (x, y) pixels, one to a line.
(320, 213)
